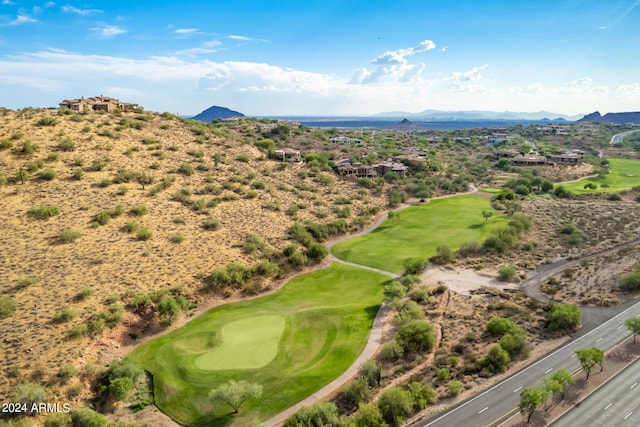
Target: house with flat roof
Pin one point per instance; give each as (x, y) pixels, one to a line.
(96, 103)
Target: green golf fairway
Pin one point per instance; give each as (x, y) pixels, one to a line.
(292, 342)
(420, 230)
(246, 344)
(625, 174)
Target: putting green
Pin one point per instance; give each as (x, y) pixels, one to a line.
(246, 344)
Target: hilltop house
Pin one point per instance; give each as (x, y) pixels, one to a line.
(96, 103)
(345, 139)
(287, 155)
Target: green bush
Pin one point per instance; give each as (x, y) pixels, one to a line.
(29, 147)
(84, 293)
(103, 217)
(186, 169)
(144, 233)
(454, 387)
(139, 210)
(86, 417)
(211, 224)
(564, 317)
(7, 307)
(67, 145)
(44, 212)
(65, 315)
(508, 273)
(68, 235)
(78, 173)
(46, 121)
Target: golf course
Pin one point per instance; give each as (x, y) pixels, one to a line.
(624, 175)
(419, 230)
(291, 342)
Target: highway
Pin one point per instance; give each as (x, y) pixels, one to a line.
(616, 404)
(495, 405)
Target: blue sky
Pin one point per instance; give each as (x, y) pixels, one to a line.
(324, 57)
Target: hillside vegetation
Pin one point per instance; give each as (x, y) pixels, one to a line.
(105, 215)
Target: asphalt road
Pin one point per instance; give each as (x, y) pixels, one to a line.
(616, 404)
(616, 139)
(495, 405)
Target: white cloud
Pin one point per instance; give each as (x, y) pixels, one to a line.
(7, 2)
(531, 89)
(184, 31)
(398, 57)
(49, 4)
(444, 48)
(195, 51)
(473, 74)
(106, 31)
(583, 87)
(241, 38)
(628, 90)
(83, 12)
(23, 19)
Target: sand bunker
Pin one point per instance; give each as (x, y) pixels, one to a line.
(463, 281)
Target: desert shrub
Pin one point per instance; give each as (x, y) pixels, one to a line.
(391, 351)
(7, 307)
(395, 404)
(630, 282)
(57, 419)
(186, 169)
(416, 337)
(78, 331)
(46, 121)
(67, 145)
(515, 344)
(564, 317)
(65, 315)
(421, 294)
(317, 251)
(86, 417)
(468, 249)
(496, 360)
(68, 235)
(562, 192)
(53, 157)
(443, 374)
(444, 255)
(3, 179)
(243, 158)
(356, 392)
(77, 174)
(211, 224)
(144, 233)
(318, 414)
(44, 212)
(614, 197)
(131, 226)
(139, 210)
(6, 144)
(29, 393)
(29, 147)
(507, 273)
(233, 274)
(102, 217)
(501, 326)
(177, 238)
(84, 293)
(414, 265)
(454, 387)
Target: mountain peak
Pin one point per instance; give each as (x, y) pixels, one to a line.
(215, 112)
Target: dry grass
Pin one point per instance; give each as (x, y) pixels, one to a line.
(111, 260)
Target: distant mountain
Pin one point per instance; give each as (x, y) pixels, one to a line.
(437, 115)
(620, 118)
(215, 113)
(406, 125)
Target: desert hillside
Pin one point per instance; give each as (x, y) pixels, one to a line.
(97, 207)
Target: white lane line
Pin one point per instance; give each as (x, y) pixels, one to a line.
(488, 408)
(608, 406)
(518, 389)
(573, 355)
(619, 327)
(634, 384)
(628, 415)
(599, 339)
(548, 370)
